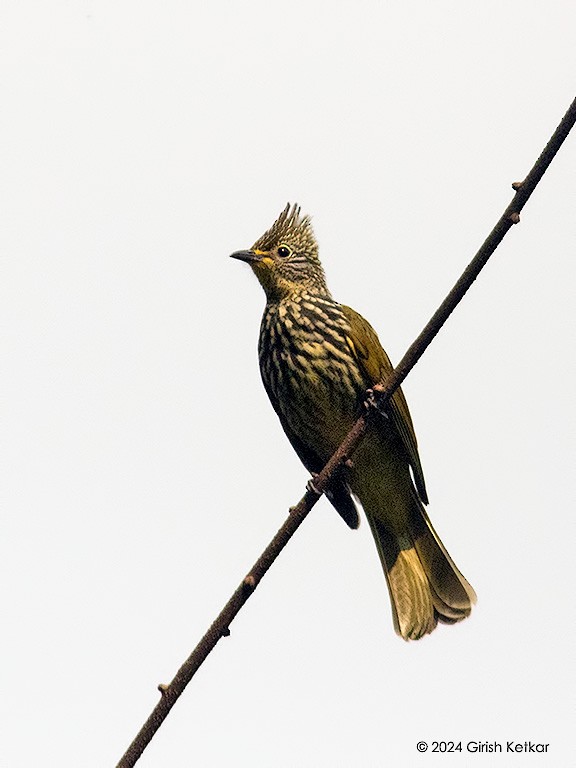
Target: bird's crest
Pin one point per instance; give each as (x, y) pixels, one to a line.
(291, 227)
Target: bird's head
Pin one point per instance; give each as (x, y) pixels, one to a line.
(285, 259)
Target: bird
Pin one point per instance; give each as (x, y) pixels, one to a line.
(318, 359)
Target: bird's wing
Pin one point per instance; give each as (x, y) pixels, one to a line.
(376, 366)
(338, 493)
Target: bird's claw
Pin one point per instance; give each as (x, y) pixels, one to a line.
(310, 485)
(372, 401)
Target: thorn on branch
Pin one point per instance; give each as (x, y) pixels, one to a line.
(348, 463)
(163, 688)
(249, 581)
(226, 632)
(517, 184)
(514, 217)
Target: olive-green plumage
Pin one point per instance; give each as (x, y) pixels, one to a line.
(317, 359)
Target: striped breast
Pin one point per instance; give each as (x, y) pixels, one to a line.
(308, 370)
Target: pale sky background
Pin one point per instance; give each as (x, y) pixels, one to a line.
(143, 467)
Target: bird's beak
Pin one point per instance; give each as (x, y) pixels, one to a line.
(258, 260)
(248, 256)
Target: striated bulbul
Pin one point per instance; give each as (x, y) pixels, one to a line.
(317, 359)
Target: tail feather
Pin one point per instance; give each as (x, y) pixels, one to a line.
(446, 581)
(413, 609)
(424, 583)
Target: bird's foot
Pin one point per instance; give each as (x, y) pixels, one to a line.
(372, 401)
(310, 485)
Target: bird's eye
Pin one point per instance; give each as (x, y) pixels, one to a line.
(284, 251)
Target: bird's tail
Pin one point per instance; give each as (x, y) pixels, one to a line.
(424, 583)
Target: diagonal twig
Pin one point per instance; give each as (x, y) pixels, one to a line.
(383, 391)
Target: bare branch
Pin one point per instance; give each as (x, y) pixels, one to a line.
(220, 628)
